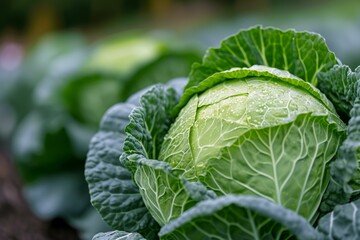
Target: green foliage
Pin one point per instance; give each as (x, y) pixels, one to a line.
(303, 54)
(252, 149)
(113, 192)
(66, 86)
(342, 223)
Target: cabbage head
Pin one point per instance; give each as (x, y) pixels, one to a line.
(257, 131)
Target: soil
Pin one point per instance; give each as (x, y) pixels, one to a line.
(17, 222)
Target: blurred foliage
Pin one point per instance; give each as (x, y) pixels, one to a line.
(66, 85)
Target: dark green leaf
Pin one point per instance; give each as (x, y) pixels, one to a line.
(339, 85)
(61, 194)
(42, 145)
(343, 223)
(303, 54)
(149, 123)
(345, 170)
(112, 190)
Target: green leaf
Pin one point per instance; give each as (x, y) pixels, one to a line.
(339, 85)
(287, 164)
(87, 95)
(62, 194)
(259, 72)
(342, 223)
(345, 170)
(149, 123)
(112, 190)
(232, 216)
(118, 235)
(42, 145)
(303, 54)
(155, 180)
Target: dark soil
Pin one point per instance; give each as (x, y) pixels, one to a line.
(17, 222)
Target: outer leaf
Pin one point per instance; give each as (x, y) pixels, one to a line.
(339, 85)
(118, 235)
(155, 179)
(342, 223)
(345, 170)
(149, 123)
(112, 190)
(303, 54)
(238, 217)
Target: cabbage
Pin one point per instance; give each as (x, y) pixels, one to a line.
(254, 147)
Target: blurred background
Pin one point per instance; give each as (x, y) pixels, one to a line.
(63, 63)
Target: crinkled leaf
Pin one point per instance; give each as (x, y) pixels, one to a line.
(112, 190)
(232, 216)
(343, 223)
(156, 179)
(351, 146)
(303, 54)
(149, 123)
(197, 191)
(339, 85)
(118, 235)
(345, 171)
(177, 84)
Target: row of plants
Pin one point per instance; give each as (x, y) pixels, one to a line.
(56, 99)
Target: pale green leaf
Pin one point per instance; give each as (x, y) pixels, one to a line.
(288, 164)
(163, 192)
(238, 217)
(118, 235)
